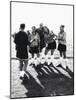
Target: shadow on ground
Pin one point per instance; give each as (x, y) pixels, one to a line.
(55, 84)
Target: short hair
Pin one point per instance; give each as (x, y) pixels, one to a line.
(62, 26)
(22, 26)
(41, 24)
(34, 27)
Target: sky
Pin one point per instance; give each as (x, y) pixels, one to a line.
(51, 16)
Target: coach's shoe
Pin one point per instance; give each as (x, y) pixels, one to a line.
(22, 75)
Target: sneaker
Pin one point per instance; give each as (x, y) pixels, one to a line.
(22, 75)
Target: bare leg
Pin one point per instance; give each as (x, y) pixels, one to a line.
(32, 55)
(52, 51)
(38, 55)
(64, 54)
(46, 51)
(25, 65)
(21, 65)
(60, 53)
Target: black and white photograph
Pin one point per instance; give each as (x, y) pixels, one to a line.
(42, 49)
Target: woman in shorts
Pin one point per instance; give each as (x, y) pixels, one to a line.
(51, 42)
(62, 42)
(34, 42)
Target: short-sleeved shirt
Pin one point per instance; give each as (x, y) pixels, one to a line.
(35, 38)
(50, 38)
(62, 38)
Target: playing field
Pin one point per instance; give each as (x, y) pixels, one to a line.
(54, 81)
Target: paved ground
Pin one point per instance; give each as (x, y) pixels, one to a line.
(49, 81)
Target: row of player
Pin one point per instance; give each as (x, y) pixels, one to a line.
(39, 39)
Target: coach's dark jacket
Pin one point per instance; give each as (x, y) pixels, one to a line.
(41, 34)
(21, 41)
